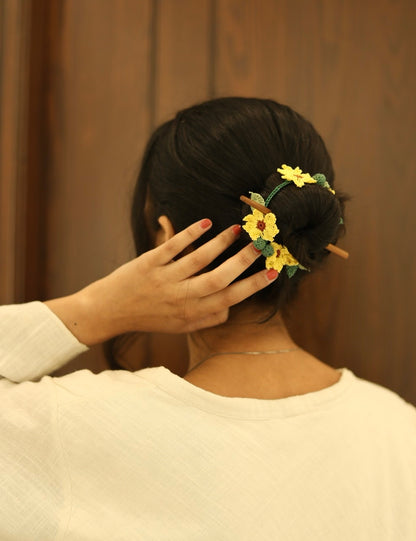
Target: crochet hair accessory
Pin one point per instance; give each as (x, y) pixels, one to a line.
(261, 224)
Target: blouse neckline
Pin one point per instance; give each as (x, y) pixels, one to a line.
(249, 408)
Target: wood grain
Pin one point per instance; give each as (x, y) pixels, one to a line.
(14, 79)
(182, 55)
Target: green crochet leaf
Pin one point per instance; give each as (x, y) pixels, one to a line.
(257, 198)
(320, 179)
(268, 250)
(341, 221)
(291, 270)
(260, 243)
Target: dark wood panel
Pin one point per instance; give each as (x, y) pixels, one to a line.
(349, 68)
(14, 80)
(37, 151)
(250, 44)
(183, 55)
(99, 120)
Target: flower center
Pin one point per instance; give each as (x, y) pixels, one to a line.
(261, 225)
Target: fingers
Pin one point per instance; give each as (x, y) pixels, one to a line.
(203, 256)
(222, 276)
(237, 292)
(166, 252)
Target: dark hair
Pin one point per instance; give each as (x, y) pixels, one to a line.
(198, 164)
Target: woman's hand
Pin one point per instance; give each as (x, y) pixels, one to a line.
(153, 293)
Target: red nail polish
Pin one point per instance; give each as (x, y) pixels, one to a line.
(206, 223)
(236, 229)
(256, 249)
(272, 274)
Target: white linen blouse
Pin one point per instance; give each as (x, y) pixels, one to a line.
(147, 455)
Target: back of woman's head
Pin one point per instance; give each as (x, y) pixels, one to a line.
(198, 164)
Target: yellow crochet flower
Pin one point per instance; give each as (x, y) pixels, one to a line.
(280, 258)
(261, 225)
(296, 175)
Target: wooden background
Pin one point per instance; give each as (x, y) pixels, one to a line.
(83, 83)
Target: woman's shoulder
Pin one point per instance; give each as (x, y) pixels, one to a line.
(378, 394)
(382, 410)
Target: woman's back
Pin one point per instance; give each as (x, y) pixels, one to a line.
(155, 457)
(339, 463)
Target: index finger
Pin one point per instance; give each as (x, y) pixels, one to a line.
(165, 253)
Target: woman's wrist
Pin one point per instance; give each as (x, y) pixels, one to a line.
(85, 315)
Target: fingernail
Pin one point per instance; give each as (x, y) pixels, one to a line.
(206, 223)
(236, 229)
(256, 249)
(272, 274)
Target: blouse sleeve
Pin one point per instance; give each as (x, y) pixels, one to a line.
(33, 342)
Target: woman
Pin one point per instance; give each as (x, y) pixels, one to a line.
(259, 440)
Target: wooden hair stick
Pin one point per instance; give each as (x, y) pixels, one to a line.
(331, 248)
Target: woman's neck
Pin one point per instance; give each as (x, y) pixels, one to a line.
(243, 332)
(280, 371)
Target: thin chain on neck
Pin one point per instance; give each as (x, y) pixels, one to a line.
(268, 352)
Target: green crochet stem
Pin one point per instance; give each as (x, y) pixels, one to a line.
(274, 192)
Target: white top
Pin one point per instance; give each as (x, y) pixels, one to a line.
(149, 456)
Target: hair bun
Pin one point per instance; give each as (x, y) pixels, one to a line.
(308, 219)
